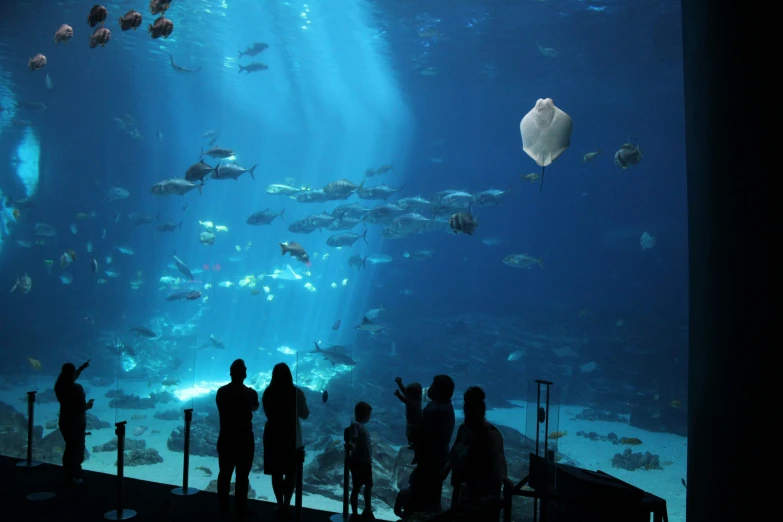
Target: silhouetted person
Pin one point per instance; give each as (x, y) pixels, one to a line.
(284, 405)
(236, 445)
(360, 460)
(432, 447)
(410, 396)
(477, 461)
(73, 419)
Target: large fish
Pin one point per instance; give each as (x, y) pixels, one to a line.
(199, 171)
(176, 186)
(144, 332)
(335, 355)
(255, 49)
(217, 152)
(233, 171)
(264, 217)
(182, 267)
(369, 326)
(345, 239)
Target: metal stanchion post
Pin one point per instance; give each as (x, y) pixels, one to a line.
(300, 458)
(508, 497)
(185, 490)
(29, 462)
(344, 516)
(120, 513)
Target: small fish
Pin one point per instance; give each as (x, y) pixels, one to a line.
(630, 441)
(23, 283)
(94, 266)
(68, 257)
(161, 27)
(463, 222)
(683, 483)
(325, 396)
(590, 156)
(533, 177)
(100, 36)
(159, 6)
(522, 261)
(37, 62)
(130, 20)
(629, 154)
(296, 250)
(336, 325)
(205, 470)
(63, 34)
(557, 434)
(35, 364)
(97, 15)
(206, 238)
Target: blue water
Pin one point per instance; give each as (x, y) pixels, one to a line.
(438, 88)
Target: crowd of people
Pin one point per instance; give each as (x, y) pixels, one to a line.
(475, 461)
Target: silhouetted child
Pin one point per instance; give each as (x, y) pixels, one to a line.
(360, 460)
(411, 396)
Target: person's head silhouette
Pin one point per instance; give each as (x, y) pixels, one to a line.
(281, 376)
(68, 372)
(238, 371)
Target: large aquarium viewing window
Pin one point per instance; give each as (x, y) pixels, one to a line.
(386, 196)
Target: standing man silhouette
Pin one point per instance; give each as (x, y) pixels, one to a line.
(236, 444)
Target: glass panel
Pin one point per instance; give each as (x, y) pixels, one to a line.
(332, 399)
(543, 419)
(202, 374)
(380, 147)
